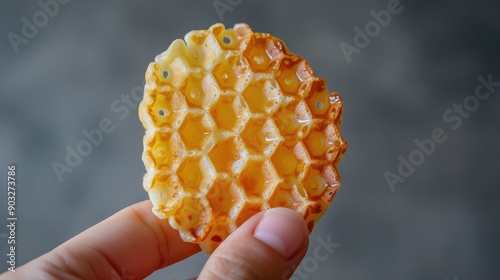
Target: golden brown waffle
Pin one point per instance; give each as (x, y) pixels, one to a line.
(235, 124)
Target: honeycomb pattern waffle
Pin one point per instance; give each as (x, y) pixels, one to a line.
(235, 124)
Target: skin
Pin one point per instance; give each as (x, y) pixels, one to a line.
(134, 243)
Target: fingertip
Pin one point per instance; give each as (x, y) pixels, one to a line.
(270, 245)
(282, 229)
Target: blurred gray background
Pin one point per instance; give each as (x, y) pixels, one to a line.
(440, 223)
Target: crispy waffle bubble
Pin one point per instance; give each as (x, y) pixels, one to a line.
(236, 124)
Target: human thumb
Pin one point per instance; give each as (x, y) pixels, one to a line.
(270, 245)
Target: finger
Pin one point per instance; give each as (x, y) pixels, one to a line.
(267, 246)
(131, 243)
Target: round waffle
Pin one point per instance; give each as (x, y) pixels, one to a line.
(236, 124)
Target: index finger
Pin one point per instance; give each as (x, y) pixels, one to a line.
(132, 242)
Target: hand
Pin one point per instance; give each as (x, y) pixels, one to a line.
(270, 245)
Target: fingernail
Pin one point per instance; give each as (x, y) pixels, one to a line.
(283, 230)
